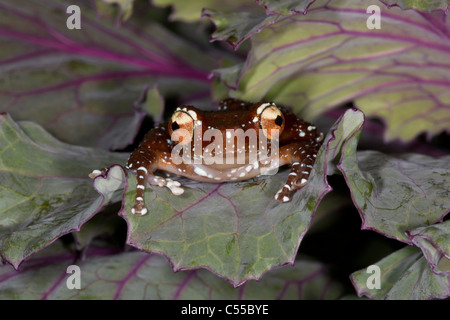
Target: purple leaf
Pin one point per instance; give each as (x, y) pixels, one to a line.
(328, 57)
(434, 241)
(107, 273)
(427, 6)
(396, 194)
(81, 84)
(284, 7)
(191, 11)
(403, 275)
(236, 27)
(45, 190)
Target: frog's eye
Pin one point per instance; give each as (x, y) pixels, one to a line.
(272, 122)
(181, 127)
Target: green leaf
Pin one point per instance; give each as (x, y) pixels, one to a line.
(126, 8)
(405, 275)
(434, 241)
(45, 189)
(187, 11)
(237, 26)
(80, 84)
(110, 274)
(420, 5)
(396, 194)
(411, 274)
(236, 230)
(192, 11)
(285, 7)
(328, 57)
(152, 102)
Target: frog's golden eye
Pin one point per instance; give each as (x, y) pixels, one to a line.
(272, 122)
(181, 127)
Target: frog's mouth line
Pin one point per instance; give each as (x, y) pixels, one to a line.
(232, 172)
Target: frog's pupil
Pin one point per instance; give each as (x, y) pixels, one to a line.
(279, 121)
(175, 126)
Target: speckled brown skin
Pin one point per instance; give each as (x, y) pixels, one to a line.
(297, 145)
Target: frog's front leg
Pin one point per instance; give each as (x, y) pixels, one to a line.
(302, 158)
(145, 165)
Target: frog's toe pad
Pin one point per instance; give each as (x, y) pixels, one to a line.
(283, 195)
(174, 186)
(95, 173)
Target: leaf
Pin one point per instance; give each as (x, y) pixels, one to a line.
(236, 27)
(126, 8)
(396, 194)
(107, 273)
(152, 102)
(285, 7)
(411, 274)
(236, 230)
(45, 191)
(191, 11)
(434, 241)
(234, 20)
(328, 57)
(187, 11)
(80, 85)
(106, 222)
(419, 5)
(405, 275)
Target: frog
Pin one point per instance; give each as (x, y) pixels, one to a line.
(181, 147)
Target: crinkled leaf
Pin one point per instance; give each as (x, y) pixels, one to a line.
(396, 194)
(108, 274)
(191, 11)
(236, 230)
(420, 5)
(44, 188)
(405, 275)
(285, 7)
(152, 102)
(81, 84)
(315, 62)
(187, 11)
(126, 8)
(434, 241)
(237, 26)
